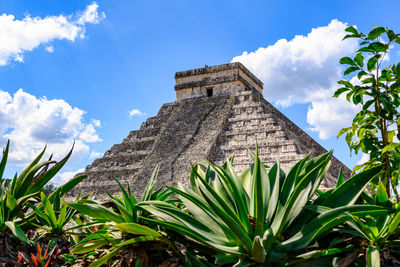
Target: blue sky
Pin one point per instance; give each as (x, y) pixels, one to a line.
(76, 69)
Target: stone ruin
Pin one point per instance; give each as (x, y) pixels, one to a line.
(219, 111)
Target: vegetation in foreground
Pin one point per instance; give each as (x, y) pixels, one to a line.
(263, 217)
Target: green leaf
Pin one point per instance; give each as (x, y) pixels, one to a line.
(48, 175)
(17, 231)
(375, 33)
(150, 184)
(361, 74)
(346, 60)
(96, 211)
(373, 258)
(389, 147)
(342, 131)
(378, 47)
(371, 64)
(381, 196)
(350, 70)
(340, 179)
(359, 59)
(261, 182)
(352, 30)
(351, 189)
(49, 210)
(258, 250)
(339, 91)
(89, 246)
(4, 159)
(137, 229)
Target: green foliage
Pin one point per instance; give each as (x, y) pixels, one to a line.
(51, 218)
(252, 218)
(127, 226)
(24, 189)
(373, 128)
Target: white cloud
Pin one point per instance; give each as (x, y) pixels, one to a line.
(135, 112)
(89, 134)
(19, 36)
(364, 158)
(31, 123)
(62, 178)
(329, 116)
(95, 154)
(50, 49)
(90, 15)
(96, 122)
(305, 70)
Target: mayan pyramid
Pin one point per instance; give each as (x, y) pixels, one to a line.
(219, 111)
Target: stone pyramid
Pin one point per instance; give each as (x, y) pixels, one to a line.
(219, 111)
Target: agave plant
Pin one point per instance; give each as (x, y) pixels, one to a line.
(377, 237)
(246, 218)
(126, 226)
(52, 219)
(15, 194)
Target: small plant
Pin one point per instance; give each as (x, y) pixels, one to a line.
(15, 194)
(42, 258)
(125, 226)
(378, 92)
(52, 218)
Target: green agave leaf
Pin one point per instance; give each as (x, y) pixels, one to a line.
(49, 210)
(231, 182)
(39, 213)
(38, 185)
(17, 231)
(65, 188)
(340, 179)
(231, 222)
(89, 246)
(28, 169)
(348, 192)
(326, 221)
(314, 171)
(373, 258)
(150, 184)
(258, 251)
(224, 258)
(201, 210)
(381, 196)
(96, 211)
(127, 209)
(270, 204)
(222, 209)
(260, 194)
(63, 214)
(140, 239)
(225, 246)
(137, 229)
(4, 159)
(24, 183)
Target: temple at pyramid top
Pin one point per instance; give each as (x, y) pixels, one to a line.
(215, 81)
(219, 112)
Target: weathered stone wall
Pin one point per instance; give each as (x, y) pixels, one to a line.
(222, 79)
(254, 120)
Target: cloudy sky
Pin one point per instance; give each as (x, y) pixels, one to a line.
(92, 71)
